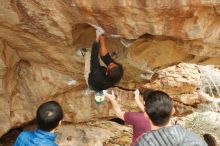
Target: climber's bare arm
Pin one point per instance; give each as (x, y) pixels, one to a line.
(103, 49)
(119, 113)
(138, 101)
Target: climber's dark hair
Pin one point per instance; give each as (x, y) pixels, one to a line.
(49, 115)
(116, 73)
(158, 106)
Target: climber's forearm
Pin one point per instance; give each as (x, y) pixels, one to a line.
(119, 113)
(140, 105)
(103, 49)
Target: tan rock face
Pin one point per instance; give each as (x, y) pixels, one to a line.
(181, 81)
(39, 62)
(201, 123)
(94, 133)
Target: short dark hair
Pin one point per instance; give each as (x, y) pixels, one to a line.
(49, 115)
(158, 106)
(116, 73)
(146, 92)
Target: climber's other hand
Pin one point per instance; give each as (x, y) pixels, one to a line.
(109, 96)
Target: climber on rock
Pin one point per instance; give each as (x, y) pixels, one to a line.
(99, 77)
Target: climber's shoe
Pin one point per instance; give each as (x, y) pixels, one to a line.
(99, 97)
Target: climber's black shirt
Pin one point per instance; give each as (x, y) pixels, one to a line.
(97, 79)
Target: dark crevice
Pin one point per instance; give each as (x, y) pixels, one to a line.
(118, 120)
(9, 138)
(124, 88)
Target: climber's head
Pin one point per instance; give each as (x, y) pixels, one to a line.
(159, 107)
(115, 72)
(49, 116)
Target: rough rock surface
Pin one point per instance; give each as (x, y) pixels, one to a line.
(39, 38)
(201, 123)
(94, 134)
(180, 81)
(185, 83)
(110, 134)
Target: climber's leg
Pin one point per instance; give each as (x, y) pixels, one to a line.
(99, 96)
(87, 65)
(91, 57)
